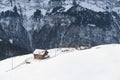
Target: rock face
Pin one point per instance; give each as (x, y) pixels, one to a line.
(12, 28)
(79, 26)
(31, 24)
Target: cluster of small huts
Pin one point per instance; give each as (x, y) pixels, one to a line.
(43, 54)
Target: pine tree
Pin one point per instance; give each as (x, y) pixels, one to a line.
(74, 2)
(15, 9)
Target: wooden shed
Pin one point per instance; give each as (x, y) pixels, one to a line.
(40, 54)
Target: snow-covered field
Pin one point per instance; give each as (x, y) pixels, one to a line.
(98, 63)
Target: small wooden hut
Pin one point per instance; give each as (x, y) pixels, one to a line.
(40, 54)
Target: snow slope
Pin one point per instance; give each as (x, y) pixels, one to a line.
(92, 7)
(97, 63)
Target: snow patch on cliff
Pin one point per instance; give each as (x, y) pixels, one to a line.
(117, 9)
(91, 6)
(67, 7)
(1, 40)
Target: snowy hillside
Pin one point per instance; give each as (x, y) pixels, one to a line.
(97, 63)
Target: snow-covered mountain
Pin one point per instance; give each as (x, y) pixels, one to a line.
(98, 63)
(28, 7)
(45, 24)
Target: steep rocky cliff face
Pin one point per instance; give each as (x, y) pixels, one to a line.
(79, 26)
(31, 24)
(11, 24)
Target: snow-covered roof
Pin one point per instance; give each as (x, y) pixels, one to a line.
(39, 51)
